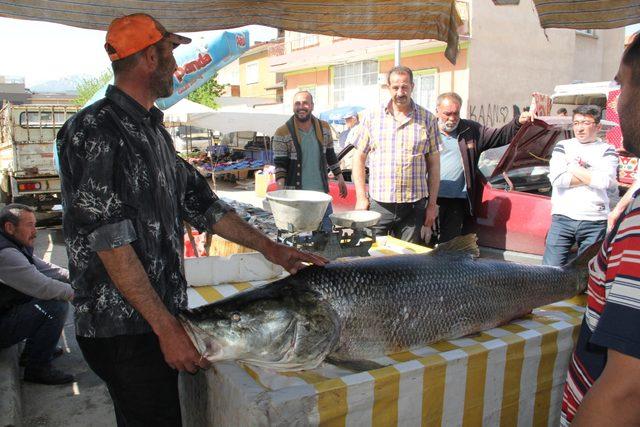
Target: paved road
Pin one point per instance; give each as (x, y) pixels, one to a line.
(83, 403)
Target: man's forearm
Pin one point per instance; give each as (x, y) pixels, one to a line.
(433, 177)
(128, 275)
(358, 174)
(581, 174)
(235, 229)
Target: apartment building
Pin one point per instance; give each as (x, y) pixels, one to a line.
(504, 55)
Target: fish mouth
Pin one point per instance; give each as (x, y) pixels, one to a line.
(207, 346)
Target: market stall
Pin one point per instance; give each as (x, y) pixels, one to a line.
(511, 375)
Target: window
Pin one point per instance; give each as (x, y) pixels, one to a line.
(44, 119)
(309, 88)
(252, 73)
(351, 80)
(588, 32)
(424, 91)
(302, 40)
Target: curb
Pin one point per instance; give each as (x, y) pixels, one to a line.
(11, 402)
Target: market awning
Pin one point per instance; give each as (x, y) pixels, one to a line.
(584, 15)
(231, 121)
(369, 19)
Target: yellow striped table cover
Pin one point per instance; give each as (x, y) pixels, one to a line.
(506, 376)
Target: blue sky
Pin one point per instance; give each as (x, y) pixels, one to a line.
(42, 51)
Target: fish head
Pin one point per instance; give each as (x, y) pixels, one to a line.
(285, 333)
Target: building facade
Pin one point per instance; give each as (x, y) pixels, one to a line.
(503, 57)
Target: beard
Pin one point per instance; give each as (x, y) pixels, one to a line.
(447, 126)
(162, 80)
(303, 118)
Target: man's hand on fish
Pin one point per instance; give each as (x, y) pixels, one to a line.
(291, 259)
(178, 349)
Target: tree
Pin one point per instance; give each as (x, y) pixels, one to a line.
(207, 93)
(87, 87)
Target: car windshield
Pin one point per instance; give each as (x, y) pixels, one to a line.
(527, 179)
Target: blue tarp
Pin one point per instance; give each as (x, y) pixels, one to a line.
(337, 115)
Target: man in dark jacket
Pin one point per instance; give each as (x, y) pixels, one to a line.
(463, 141)
(33, 297)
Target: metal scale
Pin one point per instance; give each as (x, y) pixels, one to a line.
(298, 217)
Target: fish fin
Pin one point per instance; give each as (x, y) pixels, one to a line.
(583, 260)
(581, 264)
(355, 365)
(467, 244)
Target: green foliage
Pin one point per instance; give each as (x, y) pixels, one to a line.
(86, 88)
(207, 93)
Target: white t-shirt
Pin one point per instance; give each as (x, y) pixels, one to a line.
(583, 202)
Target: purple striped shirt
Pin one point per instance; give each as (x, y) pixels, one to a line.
(397, 152)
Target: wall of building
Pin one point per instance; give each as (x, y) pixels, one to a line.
(510, 56)
(265, 78)
(449, 77)
(315, 80)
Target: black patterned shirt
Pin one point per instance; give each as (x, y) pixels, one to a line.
(122, 183)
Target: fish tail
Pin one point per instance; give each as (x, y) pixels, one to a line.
(581, 264)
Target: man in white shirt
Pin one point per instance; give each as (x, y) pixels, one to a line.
(581, 171)
(33, 297)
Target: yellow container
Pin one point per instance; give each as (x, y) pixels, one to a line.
(262, 182)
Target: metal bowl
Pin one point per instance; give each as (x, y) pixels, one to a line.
(355, 219)
(298, 210)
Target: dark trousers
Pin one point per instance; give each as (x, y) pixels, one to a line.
(453, 218)
(40, 322)
(564, 232)
(401, 220)
(143, 388)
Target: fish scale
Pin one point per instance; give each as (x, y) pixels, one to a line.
(402, 302)
(360, 309)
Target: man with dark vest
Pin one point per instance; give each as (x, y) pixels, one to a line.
(33, 297)
(303, 152)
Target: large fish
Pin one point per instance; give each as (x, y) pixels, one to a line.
(355, 310)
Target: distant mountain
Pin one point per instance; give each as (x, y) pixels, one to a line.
(66, 85)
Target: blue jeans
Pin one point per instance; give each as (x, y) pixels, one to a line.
(40, 322)
(564, 232)
(327, 225)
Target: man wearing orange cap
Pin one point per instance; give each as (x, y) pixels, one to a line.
(126, 194)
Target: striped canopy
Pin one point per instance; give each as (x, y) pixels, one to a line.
(369, 19)
(584, 15)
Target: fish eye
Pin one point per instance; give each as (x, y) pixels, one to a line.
(235, 317)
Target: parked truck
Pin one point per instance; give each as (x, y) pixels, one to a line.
(27, 171)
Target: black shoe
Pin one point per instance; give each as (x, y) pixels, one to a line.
(59, 351)
(47, 375)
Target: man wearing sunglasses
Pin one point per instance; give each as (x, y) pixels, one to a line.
(581, 171)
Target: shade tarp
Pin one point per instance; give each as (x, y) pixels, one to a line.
(584, 15)
(182, 110)
(368, 19)
(229, 121)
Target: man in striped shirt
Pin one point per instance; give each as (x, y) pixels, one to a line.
(603, 383)
(402, 141)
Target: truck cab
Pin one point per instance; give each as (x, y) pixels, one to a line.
(27, 171)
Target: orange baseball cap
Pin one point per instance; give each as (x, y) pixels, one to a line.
(132, 33)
